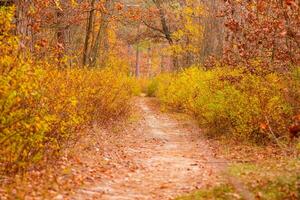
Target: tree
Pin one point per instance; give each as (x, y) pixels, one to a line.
(263, 30)
(89, 29)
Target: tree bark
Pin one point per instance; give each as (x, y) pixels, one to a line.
(149, 62)
(100, 34)
(88, 33)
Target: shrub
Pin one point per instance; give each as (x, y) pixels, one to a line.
(41, 106)
(152, 87)
(230, 101)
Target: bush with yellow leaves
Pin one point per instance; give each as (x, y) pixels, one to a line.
(42, 106)
(235, 102)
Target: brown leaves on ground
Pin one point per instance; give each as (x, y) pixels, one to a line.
(150, 157)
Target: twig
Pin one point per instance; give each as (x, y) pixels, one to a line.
(273, 134)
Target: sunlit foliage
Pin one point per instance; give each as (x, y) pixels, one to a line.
(235, 102)
(42, 106)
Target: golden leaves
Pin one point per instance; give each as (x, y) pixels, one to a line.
(42, 106)
(228, 101)
(58, 4)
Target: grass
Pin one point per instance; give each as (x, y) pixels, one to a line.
(224, 191)
(269, 180)
(242, 169)
(280, 188)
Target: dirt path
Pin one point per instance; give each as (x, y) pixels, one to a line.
(167, 158)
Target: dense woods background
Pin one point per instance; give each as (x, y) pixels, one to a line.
(187, 32)
(67, 64)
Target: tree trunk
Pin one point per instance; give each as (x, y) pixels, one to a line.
(88, 33)
(100, 34)
(149, 62)
(166, 30)
(137, 61)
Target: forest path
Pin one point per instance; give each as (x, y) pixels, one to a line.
(169, 158)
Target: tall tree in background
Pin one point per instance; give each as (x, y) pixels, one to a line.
(214, 30)
(89, 29)
(101, 33)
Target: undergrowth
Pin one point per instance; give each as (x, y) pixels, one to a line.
(224, 191)
(42, 105)
(270, 180)
(255, 106)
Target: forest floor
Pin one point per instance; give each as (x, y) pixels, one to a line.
(157, 155)
(165, 158)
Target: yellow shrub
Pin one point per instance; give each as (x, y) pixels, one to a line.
(151, 87)
(142, 84)
(230, 101)
(41, 106)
